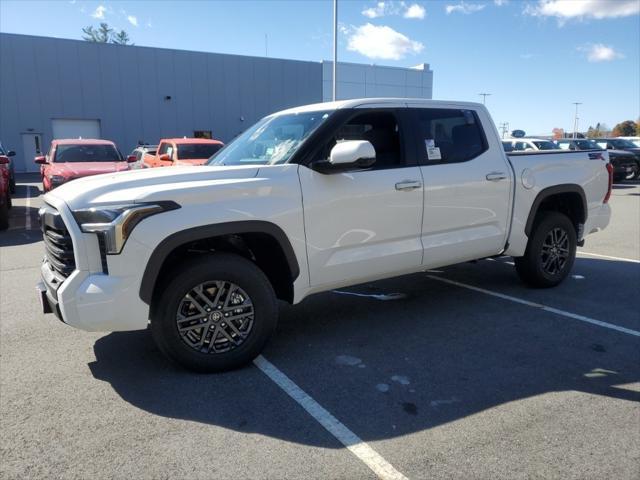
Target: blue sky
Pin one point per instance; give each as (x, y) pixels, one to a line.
(535, 57)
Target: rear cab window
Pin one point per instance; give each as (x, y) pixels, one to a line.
(449, 135)
(197, 151)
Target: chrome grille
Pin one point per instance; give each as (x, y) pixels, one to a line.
(57, 242)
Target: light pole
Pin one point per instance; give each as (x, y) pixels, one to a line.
(575, 120)
(484, 97)
(335, 46)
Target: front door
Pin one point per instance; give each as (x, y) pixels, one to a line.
(467, 186)
(31, 147)
(364, 224)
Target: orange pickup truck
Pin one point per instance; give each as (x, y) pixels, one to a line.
(183, 151)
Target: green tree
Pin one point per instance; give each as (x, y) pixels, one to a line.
(105, 34)
(638, 128)
(627, 128)
(121, 38)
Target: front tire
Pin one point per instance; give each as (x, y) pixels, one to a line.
(216, 314)
(550, 253)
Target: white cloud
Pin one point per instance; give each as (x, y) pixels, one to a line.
(567, 9)
(99, 12)
(599, 52)
(378, 11)
(133, 20)
(382, 42)
(382, 9)
(499, 3)
(414, 11)
(464, 7)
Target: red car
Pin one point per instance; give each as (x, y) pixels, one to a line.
(76, 158)
(5, 193)
(173, 152)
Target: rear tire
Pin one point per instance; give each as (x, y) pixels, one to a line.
(216, 314)
(550, 253)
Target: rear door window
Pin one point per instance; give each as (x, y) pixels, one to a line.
(449, 135)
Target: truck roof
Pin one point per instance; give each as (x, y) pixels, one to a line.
(81, 141)
(182, 140)
(384, 101)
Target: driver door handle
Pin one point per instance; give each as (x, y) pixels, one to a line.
(496, 176)
(408, 185)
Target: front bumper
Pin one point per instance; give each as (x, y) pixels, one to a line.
(89, 299)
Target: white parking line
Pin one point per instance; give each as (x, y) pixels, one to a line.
(557, 311)
(360, 449)
(622, 259)
(27, 221)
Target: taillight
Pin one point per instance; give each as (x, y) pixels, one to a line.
(610, 187)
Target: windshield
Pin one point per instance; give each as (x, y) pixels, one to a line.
(622, 143)
(273, 140)
(507, 146)
(546, 145)
(87, 153)
(197, 150)
(587, 145)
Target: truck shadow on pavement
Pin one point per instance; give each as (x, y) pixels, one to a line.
(388, 369)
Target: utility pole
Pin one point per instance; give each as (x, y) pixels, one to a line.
(504, 127)
(335, 47)
(575, 120)
(484, 97)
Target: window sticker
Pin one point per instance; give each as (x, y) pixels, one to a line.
(429, 142)
(433, 153)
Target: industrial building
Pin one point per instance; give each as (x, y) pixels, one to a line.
(59, 88)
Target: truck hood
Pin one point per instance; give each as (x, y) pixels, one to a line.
(80, 169)
(150, 184)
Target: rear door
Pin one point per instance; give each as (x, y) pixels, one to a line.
(364, 224)
(467, 185)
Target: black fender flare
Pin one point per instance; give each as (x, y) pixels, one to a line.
(175, 240)
(555, 190)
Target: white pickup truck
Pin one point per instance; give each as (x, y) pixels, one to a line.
(308, 200)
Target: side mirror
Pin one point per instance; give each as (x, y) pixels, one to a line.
(11, 153)
(4, 159)
(131, 158)
(41, 159)
(164, 158)
(347, 155)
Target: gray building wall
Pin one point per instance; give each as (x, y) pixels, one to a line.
(358, 81)
(125, 88)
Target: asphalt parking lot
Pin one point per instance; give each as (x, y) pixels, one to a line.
(466, 374)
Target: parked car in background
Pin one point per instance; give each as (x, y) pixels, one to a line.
(634, 140)
(10, 167)
(624, 163)
(205, 253)
(183, 151)
(5, 192)
(139, 154)
(621, 144)
(76, 158)
(529, 144)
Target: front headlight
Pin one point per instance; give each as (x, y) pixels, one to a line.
(115, 223)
